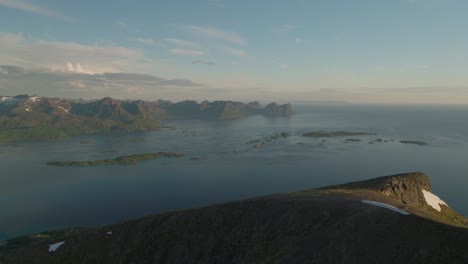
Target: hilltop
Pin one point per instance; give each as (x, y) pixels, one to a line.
(25, 117)
(392, 219)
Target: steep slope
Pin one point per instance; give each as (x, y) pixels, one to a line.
(273, 109)
(375, 221)
(223, 110)
(31, 117)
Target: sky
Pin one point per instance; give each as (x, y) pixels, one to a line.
(360, 51)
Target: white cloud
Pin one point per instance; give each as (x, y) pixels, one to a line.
(147, 41)
(180, 42)
(76, 68)
(70, 67)
(214, 33)
(187, 52)
(236, 52)
(284, 66)
(34, 9)
(63, 56)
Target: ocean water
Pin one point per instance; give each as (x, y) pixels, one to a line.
(35, 197)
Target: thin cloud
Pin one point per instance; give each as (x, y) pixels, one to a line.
(401, 90)
(421, 90)
(204, 62)
(75, 84)
(187, 52)
(214, 33)
(180, 42)
(126, 26)
(236, 52)
(34, 9)
(285, 28)
(146, 41)
(63, 56)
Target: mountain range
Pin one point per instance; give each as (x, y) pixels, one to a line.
(25, 117)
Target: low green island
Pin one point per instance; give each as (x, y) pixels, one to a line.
(329, 134)
(129, 159)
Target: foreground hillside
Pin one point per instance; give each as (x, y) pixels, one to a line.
(26, 117)
(394, 219)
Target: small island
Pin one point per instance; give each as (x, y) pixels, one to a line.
(414, 142)
(320, 134)
(129, 159)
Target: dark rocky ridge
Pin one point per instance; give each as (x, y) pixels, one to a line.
(405, 188)
(326, 225)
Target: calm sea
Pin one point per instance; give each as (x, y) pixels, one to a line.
(35, 197)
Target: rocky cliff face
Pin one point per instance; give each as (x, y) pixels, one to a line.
(327, 225)
(406, 188)
(274, 109)
(225, 109)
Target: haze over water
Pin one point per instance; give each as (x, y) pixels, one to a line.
(35, 197)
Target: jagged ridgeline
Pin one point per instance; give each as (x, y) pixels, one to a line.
(26, 117)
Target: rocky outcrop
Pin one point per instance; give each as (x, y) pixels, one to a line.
(274, 109)
(406, 187)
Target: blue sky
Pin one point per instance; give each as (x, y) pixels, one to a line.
(363, 51)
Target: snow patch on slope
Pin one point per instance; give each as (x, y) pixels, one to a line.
(386, 206)
(433, 200)
(34, 99)
(63, 108)
(55, 246)
(5, 98)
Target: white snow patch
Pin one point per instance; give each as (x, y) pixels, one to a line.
(109, 233)
(4, 243)
(55, 246)
(387, 206)
(28, 109)
(433, 200)
(34, 99)
(5, 98)
(63, 108)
